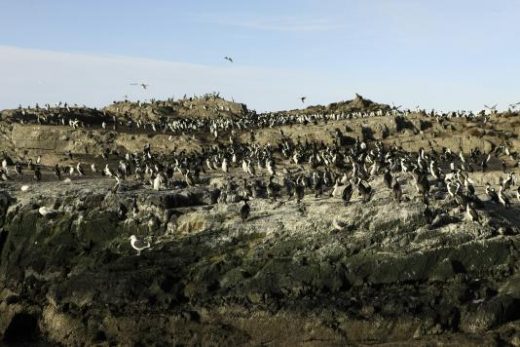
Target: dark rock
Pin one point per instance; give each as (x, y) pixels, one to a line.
(23, 328)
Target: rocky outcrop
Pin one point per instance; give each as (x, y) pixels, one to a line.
(72, 277)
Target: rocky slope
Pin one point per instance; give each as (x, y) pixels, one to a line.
(316, 274)
(383, 275)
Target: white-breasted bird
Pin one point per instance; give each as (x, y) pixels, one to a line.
(138, 245)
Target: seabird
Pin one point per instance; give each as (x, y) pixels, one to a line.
(429, 215)
(347, 194)
(228, 59)
(107, 171)
(469, 187)
(300, 190)
(303, 99)
(158, 181)
(491, 193)
(471, 214)
(4, 175)
(225, 167)
(502, 198)
(335, 191)
(245, 210)
(18, 169)
(508, 181)
(57, 171)
(491, 108)
(189, 179)
(398, 193)
(80, 170)
(388, 179)
(37, 174)
(142, 85)
(365, 191)
(138, 245)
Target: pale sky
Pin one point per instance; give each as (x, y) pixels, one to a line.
(447, 55)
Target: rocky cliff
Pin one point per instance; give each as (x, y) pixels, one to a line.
(331, 275)
(315, 273)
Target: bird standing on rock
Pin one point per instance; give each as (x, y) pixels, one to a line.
(398, 193)
(37, 174)
(57, 171)
(502, 198)
(347, 194)
(492, 194)
(300, 191)
(388, 179)
(471, 214)
(138, 245)
(365, 191)
(245, 210)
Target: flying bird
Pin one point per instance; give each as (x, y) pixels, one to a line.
(303, 99)
(143, 85)
(514, 105)
(229, 59)
(493, 108)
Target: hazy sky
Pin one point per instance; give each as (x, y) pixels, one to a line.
(456, 54)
